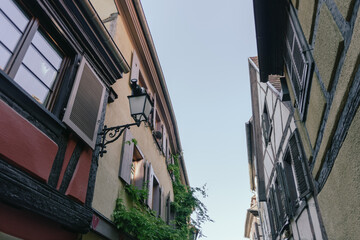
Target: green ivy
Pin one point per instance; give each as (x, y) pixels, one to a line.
(142, 223)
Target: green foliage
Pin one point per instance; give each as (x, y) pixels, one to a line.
(132, 140)
(137, 194)
(142, 223)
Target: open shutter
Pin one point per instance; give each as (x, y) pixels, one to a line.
(153, 115)
(135, 67)
(298, 61)
(271, 212)
(282, 196)
(168, 209)
(84, 108)
(150, 185)
(300, 168)
(164, 141)
(126, 157)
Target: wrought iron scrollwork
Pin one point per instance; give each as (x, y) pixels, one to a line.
(113, 134)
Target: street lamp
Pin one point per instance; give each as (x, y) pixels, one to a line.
(140, 108)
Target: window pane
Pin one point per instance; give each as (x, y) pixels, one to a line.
(14, 13)
(47, 50)
(5, 55)
(40, 66)
(12, 36)
(31, 84)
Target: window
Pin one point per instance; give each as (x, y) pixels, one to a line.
(298, 61)
(266, 125)
(155, 193)
(294, 175)
(41, 63)
(135, 170)
(29, 56)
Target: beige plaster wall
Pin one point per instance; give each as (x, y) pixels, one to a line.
(339, 200)
(345, 80)
(108, 186)
(306, 15)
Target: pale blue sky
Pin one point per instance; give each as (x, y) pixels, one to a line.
(203, 47)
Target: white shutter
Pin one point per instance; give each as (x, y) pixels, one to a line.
(150, 185)
(135, 67)
(126, 157)
(83, 111)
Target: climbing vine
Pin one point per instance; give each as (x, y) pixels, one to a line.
(142, 223)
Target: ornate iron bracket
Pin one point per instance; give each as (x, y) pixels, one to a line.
(113, 133)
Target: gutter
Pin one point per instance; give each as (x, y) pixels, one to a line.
(104, 34)
(150, 42)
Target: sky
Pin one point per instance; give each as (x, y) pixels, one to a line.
(203, 47)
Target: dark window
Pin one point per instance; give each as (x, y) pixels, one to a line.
(266, 125)
(298, 61)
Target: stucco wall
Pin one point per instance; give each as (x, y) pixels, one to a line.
(339, 200)
(108, 186)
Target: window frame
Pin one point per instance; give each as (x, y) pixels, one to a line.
(300, 85)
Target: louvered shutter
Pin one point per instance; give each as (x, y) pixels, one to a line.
(282, 195)
(300, 168)
(126, 157)
(298, 62)
(135, 67)
(84, 108)
(271, 212)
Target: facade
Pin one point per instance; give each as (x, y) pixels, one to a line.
(286, 205)
(126, 163)
(65, 68)
(252, 223)
(313, 47)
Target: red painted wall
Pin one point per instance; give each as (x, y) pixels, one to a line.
(27, 225)
(78, 185)
(24, 145)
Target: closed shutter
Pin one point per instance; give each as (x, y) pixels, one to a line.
(135, 67)
(300, 168)
(84, 108)
(126, 157)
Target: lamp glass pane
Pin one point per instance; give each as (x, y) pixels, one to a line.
(148, 108)
(137, 104)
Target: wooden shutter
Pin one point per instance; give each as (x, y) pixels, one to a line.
(272, 213)
(282, 196)
(164, 141)
(168, 209)
(135, 67)
(126, 157)
(150, 185)
(298, 61)
(153, 115)
(84, 108)
(300, 168)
